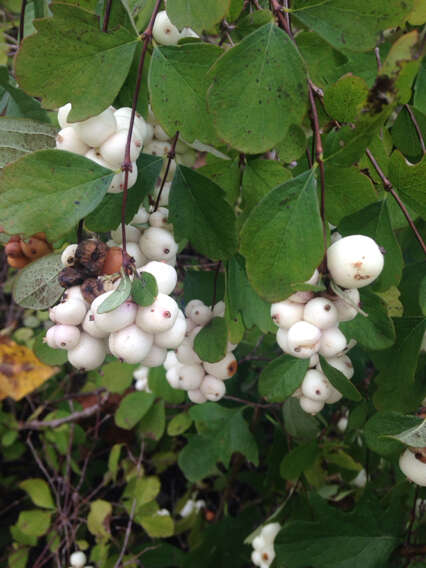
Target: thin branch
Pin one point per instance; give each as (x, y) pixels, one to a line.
(250, 403)
(127, 164)
(412, 515)
(216, 276)
(74, 417)
(417, 127)
(170, 156)
(107, 16)
(132, 513)
(22, 20)
(389, 187)
(320, 162)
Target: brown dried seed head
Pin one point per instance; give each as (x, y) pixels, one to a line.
(91, 255)
(13, 249)
(18, 261)
(113, 261)
(92, 288)
(35, 248)
(69, 276)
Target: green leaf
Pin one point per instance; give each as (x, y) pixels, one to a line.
(374, 221)
(408, 181)
(281, 377)
(336, 539)
(107, 215)
(285, 223)
(225, 173)
(118, 297)
(98, 518)
(37, 286)
(420, 89)
(260, 176)
(210, 343)
(20, 136)
(274, 97)
(382, 430)
(144, 289)
(126, 92)
(178, 84)
(133, 408)
(116, 376)
(222, 431)
(179, 424)
(345, 146)
(375, 331)
(348, 191)
(39, 492)
(414, 437)
(339, 381)
(153, 423)
(297, 423)
(401, 64)
(199, 212)
(243, 299)
(19, 104)
(199, 285)
(411, 287)
(157, 526)
(50, 191)
(34, 523)
(405, 136)
(293, 145)
(298, 460)
(18, 558)
(143, 489)
(344, 100)
(83, 50)
(159, 385)
(113, 460)
(196, 15)
(397, 389)
(348, 26)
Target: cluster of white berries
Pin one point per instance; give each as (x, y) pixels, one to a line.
(103, 140)
(413, 466)
(263, 554)
(149, 237)
(165, 33)
(140, 376)
(186, 371)
(132, 333)
(308, 323)
(78, 560)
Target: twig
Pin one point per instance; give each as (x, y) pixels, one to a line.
(127, 164)
(216, 276)
(132, 513)
(389, 187)
(417, 127)
(74, 417)
(170, 156)
(319, 159)
(250, 403)
(413, 515)
(379, 61)
(22, 20)
(106, 16)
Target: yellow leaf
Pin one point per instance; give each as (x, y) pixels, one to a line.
(20, 370)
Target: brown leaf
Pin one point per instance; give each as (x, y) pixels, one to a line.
(20, 370)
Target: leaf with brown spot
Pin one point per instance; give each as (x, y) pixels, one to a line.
(20, 370)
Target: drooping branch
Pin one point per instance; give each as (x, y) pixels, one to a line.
(106, 16)
(170, 156)
(216, 276)
(22, 20)
(74, 417)
(127, 164)
(417, 127)
(389, 187)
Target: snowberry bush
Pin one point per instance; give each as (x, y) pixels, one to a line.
(213, 289)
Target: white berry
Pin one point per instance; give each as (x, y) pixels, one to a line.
(355, 261)
(113, 149)
(223, 369)
(315, 385)
(321, 313)
(164, 31)
(63, 113)
(303, 339)
(66, 336)
(196, 396)
(413, 468)
(345, 305)
(311, 406)
(78, 559)
(89, 353)
(212, 388)
(67, 139)
(155, 357)
(91, 328)
(68, 255)
(70, 312)
(158, 244)
(332, 342)
(286, 313)
(191, 376)
(132, 234)
(95, 130)
(130, 344)
(117, 318)
(165, 275)
(173, 337)
(159, 316)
